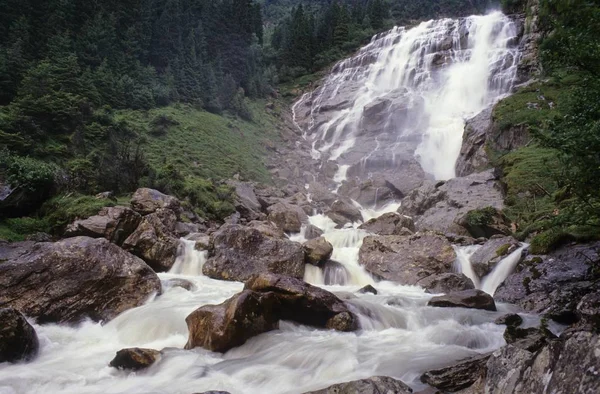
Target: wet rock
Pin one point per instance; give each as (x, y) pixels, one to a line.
(135, 359)
(473, 157)
(440, 206)
(239, 252)
(202, 240)
(69, 280)
(317, 251)
(474, 299)
(485, 259)
(268, 229)
(367, 289)
(221, 327)
(588, 310)
(374, 385)
(531, 339)
(554, 284)
(485, 222)
(335, 273)
(510, 320)
(146, 201)
(154, 240)
(245, 200)
(374, 192)
(458, 376)
(183, 229)
(112, 223)
(446, 283)
(304, 303)
(389, 224)
(287, 217)
(505, 367)
(18, 339)
(178, 282)
(407, 259)
(312, 232)
(343, 212)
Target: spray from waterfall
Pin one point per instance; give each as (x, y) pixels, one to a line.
(189, 260)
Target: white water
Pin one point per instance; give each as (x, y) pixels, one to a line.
(189, 261)
(491, 281)
(430, 79)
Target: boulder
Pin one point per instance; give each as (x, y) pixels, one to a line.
(473, 156)
(312, 232)
(389, 224)
(317, 251)
(69, 280)
(239, 252)
(335, 273)
(407, 259)
(554, 284)
(18, 339)
(154, 240)
(446, 283)
(287, 217)
(135, 359)
(147, 201)
(374, 385)
(473, 299)
(456, 377)
(485, 222)
(179, 282)
(221, 327)
(268, 229)
(485, 259)
(343, 212)
(510, 320)
(112, 223)
(531, 339)
(367, 289)
(183, 229)
(439, 206)
(373, 192)
(245, 200)
(304, 303)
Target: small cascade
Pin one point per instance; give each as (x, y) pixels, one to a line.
(491, 281)
(505, 267)
(189, 261)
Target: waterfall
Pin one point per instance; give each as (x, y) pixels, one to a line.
(189, 260)
(406, 95)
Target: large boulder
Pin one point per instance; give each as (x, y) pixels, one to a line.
(446, 283)
(485, 222)
(304, 303)
(485, 259)
(343, 212)
(287, 217)
(473, 299)
(155, 241)
(134, 359)
(69, 280)
(440, 206)
(112, 223)
(230, 324)
(374, 192)
(374, 385)
(456, 377)
(18, 339)
(317, 251)
(473, 156)
(407, 259)
(147, 201)
(554, 284)
(389, 224)
(245, 200)
(239, 252)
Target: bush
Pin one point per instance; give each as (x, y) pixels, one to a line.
(480, 217)
(34, 175)
(210, 200)
(161, 123)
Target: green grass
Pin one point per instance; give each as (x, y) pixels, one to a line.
(202, 144)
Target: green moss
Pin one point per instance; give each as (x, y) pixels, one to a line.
(502, 250)
(480, 217)
(555, 237)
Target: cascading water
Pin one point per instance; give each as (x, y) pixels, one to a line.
(407, 95)
(409, 83)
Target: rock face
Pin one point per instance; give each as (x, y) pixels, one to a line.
(230, 324)
(458, 376)
(484, 260)
(304, 303)
(440, 206)
(474, 299)
(407, 259)
(554, 284)
(389, 224)
(69, 280)
(112, 223)
(135, 359)
(374, 385)
(239, 252)
(18, 340)
(154, 240)
(446, 283)
(245, 201)
(473, 157)
(287, 217)
(147, 201)
(317, 251)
